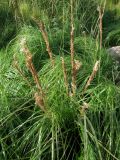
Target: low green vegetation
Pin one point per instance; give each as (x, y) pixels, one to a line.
(59, 88)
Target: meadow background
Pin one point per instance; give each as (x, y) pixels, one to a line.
(59, 88)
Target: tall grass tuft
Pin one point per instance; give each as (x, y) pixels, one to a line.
(58, 93)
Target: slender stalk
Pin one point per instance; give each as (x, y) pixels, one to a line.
(100, 26)
(72, 52)
(101, 13)
(53, 149)
(57, 142)
(45, 37)
(65, 74)
(85, 139)
(95, 69)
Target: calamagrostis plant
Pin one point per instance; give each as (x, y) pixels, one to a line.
(39, 95)
(75, 64)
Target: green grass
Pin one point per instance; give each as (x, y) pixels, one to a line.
(65, 131)
(31, 134)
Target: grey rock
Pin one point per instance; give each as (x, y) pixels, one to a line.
(114, 52)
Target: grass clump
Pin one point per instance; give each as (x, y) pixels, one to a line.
(36, 134)
(58, 92)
